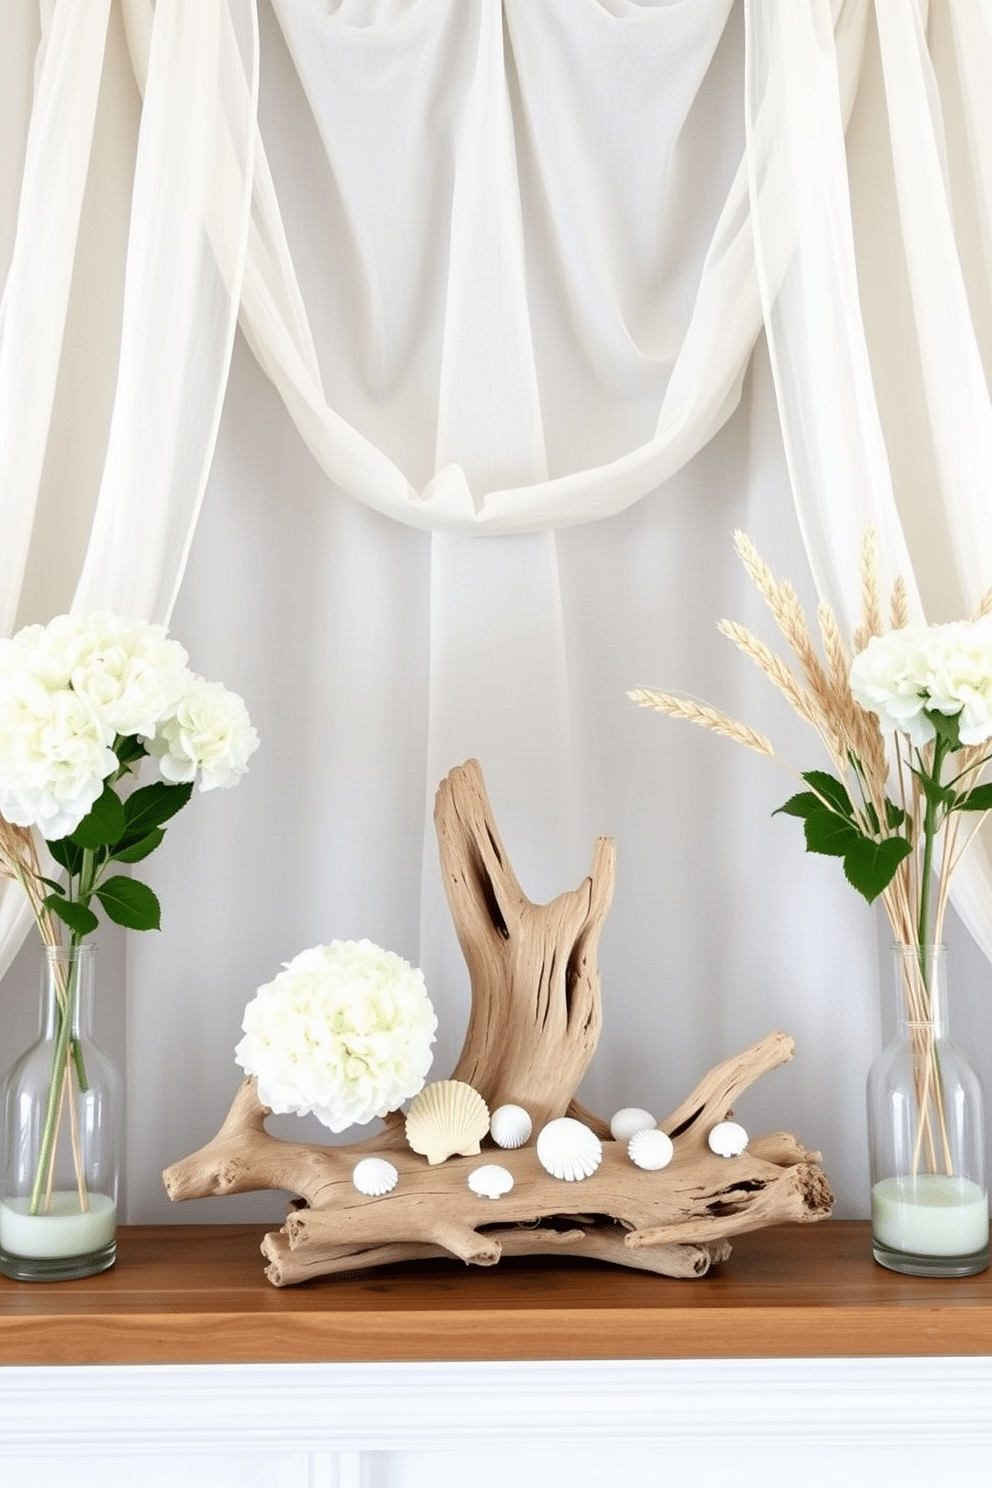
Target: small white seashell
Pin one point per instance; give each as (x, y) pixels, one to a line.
(447, 1117)
(727, 1139)
(651, 1149)
(567, 1149)
(490, 1181)
(374, 1176)
(623, 1124)
(510, 1126)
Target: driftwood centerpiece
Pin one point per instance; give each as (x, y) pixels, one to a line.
(532, 1033)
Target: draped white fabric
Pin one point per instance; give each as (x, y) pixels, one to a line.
(539, 302)
(187, 241)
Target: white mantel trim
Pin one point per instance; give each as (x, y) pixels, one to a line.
(403, 1407)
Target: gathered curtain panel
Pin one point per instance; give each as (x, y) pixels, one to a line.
(547, 238)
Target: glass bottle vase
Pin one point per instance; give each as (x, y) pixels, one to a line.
(926, 1134)
(61, 1107)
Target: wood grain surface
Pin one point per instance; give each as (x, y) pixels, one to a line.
(196, 1294)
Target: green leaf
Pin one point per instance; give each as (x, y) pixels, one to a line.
(135, 851)
(937, 795)
(979, 799)
(826, 832)
(800, 805)
(828, 799)
(103, 824)
(871, 866)
(80, 919)
(831, 790)
(67, 855)
(130, 904)
(129, 749)
(153, 805)
(895, 816)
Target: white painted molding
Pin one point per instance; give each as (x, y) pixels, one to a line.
(909, 1403)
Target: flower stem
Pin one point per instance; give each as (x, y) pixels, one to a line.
(60, 1070)
(929, 1084)
(67, 1054)
(930, 826)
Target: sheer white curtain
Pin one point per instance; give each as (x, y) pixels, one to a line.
(186, 247)
(501, 398)
(798, 105)
(457, 173)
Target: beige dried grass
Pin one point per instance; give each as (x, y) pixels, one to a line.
(817, 703)
(871, 600)
(819, 690)
(677, 706)
(19, 861)
(984, 606)
(774, 668)
(899, 604)
(853, 740)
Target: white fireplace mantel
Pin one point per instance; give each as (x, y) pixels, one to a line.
(398, 1425)
(883, 1376)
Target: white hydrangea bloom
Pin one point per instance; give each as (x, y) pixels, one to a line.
(344, 1031)
(34, 652)
(208, 733)
(71, 689)
(131, 671)
(889, 678)
(902, 675)
(960, 677)
(54, 756)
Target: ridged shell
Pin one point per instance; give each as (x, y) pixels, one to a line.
(727, 1139)
(650, 1149)
(623, 1124)
(567, 1149)
(446, 1118)
(510, 1126)
(374, 1176)
(490, 1181)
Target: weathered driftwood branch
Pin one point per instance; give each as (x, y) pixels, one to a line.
(675, 1221)
(536, 1013)
(532, 1032)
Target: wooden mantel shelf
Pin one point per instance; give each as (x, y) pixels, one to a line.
(197, 1294)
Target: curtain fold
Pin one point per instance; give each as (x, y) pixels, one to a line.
(181, 297)
(33, 307)
(957, 395)
(796, 106)
(831, 427)
(186, 254)
(36, 291)
(706, 364)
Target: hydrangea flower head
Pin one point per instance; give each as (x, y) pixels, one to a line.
(344, 1031)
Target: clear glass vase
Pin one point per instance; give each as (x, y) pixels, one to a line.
(926, 1134)
(61, 1106)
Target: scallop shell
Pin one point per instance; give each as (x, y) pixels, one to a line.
(623, 1124)
(490, 1181)
(727, 1139)
(510, 1126)
(447, 1117)
(567, 1149)
(374, 1176)
(650, 1149)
